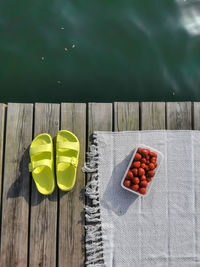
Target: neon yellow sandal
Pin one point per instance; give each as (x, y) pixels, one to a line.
(42, 163)
(67, 153)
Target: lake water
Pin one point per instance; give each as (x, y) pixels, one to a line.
(97, 50)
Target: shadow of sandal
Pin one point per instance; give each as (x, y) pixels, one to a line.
(22, 187)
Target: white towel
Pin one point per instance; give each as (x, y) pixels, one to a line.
(163, 229)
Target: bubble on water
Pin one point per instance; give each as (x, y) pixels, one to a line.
(42, 58)
(73, 46)
(65, 48)
(62, 28)
(59, 82)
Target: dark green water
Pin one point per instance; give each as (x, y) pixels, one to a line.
(124, 50)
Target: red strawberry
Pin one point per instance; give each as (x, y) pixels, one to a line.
(143, 160)
(151, 173)
(139, 150)
(136, 164)
(135, 171)
(145, 152)
(142, 190)
(143, 178)
(153, 159)
(135, 180)
(146, 167)
(143, 165)
(151, 166)
(153, 154)
(143, 184)
(141, 172)
(137, 156)
(127, 183)
(129, 174)
(149, 179)
(135, 187)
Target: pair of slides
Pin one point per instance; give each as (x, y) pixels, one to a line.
(42, 161)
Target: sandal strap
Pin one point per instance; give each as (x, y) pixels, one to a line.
(71, 160)
(68, 145)
(44, 162)
(40, 149)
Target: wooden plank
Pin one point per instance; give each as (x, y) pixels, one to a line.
(16, 186)
(126, 116)
(71, 220)
(43, 225)
(179, 115)
(196, 114)
(152, 115)
(100, 117)
(2, 123)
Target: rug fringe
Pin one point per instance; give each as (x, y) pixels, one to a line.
(94, 243)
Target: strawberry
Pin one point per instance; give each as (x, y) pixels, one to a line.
(153, 154)
(135, 187)
(147, 168)
(143, 178)
(137, 156)
(149, 179)
(143, 165)
(143, 184)
(129, 174)
(145, 152)
(136, 164)
(127, 183)
(135, 180)
(139, 150)
(151, 173)
(151, 166)
(142, 190)
(153, 159)
(143, 160)
(135, 171)
(141, 171)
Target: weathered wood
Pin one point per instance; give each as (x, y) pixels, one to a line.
(152, 115)
(196, 114)
(71, 220)
(126, 116)
(16, 186)
(100, 117)
(43, 225)
(2, 122)
(179, 115)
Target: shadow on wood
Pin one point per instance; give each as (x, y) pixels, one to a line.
(15, 189)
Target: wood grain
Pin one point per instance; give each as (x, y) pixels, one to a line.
(71, 249)
(196, 114)
(126, 116)
(99, 117)
(2, 123)
(43, 225)
(152, 115)
(179, 115)
(16, 186)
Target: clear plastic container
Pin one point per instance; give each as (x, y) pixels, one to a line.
(159, 161)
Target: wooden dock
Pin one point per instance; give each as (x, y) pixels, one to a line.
(49, 231)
